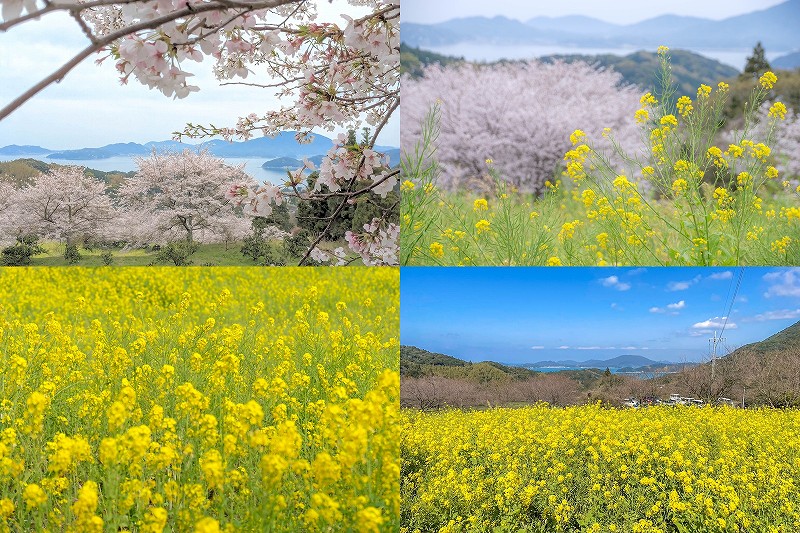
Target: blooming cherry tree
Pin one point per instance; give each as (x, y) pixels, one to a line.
(183, 195)
(63, 204)
(519, 115)
(342, 74)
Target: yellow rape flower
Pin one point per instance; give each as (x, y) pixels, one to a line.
(768, 80)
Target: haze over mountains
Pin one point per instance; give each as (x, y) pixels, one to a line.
(776, 27)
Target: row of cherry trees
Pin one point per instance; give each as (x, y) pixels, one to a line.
(171, 197)
(330, 74)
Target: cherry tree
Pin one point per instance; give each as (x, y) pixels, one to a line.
(520, 115)
(183, 196)
(786, 150)
(10, 225)
(332, 75)
(63, 204)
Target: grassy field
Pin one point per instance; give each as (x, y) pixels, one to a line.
(199, 399)
(206, 255)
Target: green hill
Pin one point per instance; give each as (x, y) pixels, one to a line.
(21, 171)
(413, 60)
(416, 362)
(783, 341)
(689, 70)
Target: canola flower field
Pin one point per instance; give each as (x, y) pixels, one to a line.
(200, 399)
(592, 469)
(690, 195)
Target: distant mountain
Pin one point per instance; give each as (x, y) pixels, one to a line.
(621, 361)
(23, 150)
(641, 68)
(789, 61)
(283, 163)
(284, 145)
(660, 25)
(576, 24)
(776, 27)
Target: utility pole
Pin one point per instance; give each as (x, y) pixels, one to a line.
(713, 342)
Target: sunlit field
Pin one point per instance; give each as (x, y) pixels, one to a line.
(591, 469)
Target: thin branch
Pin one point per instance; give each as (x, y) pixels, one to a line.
(59, 74)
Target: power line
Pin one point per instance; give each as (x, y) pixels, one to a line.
(716, 340)
(732, 300)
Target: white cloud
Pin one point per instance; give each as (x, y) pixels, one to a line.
(782, 314)
(721, 275)
(629, 348)
(783, 283)
(614, 283)
(589, 348)
(683, 285)
(563, 347)
(670, 307)
(716, 322)
(537, 347)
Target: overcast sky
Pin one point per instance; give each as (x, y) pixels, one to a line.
(518, 315)
(90, 108)
(617, 11)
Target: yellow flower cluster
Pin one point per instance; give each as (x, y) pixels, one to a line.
(211, 399)
(768, 80)
(594, 469)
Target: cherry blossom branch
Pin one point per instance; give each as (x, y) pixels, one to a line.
(99, 44)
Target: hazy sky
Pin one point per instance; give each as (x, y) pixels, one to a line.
(534, 314)
(90, 108)
(617, 11)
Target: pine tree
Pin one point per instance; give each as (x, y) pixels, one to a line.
(757, 63)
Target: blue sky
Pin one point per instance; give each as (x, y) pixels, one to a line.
(519, 315)
(90, 108)
(617, 11)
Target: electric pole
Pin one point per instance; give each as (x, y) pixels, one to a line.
(713, 342)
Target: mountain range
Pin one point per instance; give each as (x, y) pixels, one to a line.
(413, 357)
(776, 28)
(621, 361)
(283, 145)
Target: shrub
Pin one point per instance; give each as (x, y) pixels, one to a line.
(177, 253)
(21, 252)
(71, 253)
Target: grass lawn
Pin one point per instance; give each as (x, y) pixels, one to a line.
(206, 255)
